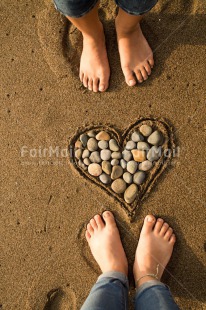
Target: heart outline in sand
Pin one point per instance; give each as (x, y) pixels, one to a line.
(122, 137)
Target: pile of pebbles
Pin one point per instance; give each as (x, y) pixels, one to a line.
(124, 171)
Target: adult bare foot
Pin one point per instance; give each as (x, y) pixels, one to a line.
(105, 244)
(155, 247)
(94, 65)
(135, 54)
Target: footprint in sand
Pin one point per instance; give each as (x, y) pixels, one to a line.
(61, 299)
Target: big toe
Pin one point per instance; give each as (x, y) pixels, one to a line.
(108, 218)
(129, 76)
(148, 225)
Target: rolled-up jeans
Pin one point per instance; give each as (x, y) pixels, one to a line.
(79, 8)
(110, 292)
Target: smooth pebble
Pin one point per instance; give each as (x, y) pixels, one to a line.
(92, 144)
(136, 137)
(85, 154)
(87, 161)
(78, 145)
(104, 178)
(139, 155)
(105, 154)
(94, 157)
(127, 177)
(123, 163)
(113, 145)
(127, 155)
(84, 138)
(82, 165)
(116, 155)
(114, 162)
(155, 138)
(139, 177)
(94, 169)
(78, 153)
(146, 130)
(118, 186)
(102, 144)
(103, 135)
(132, 166)
(131, 193)
(130, 145)
(91, 134)
(117, 172)
(145, 165)
(106, 167)
(143, 146)
(154, 153)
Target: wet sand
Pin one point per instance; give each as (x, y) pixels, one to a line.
(45, 205)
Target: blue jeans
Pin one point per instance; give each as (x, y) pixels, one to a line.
(78, 8)
(110, 292)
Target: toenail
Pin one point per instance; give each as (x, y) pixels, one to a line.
(101, 88)
(131, 83)
(150, 219)
(159, 220)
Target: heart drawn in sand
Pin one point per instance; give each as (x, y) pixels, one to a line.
(126, 165)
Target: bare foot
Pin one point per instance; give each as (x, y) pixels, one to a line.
(155, 247)
(105, 243)
(135, 54)
(94, 65)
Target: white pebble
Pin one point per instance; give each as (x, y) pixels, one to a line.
(132, 166)
(94, 157)
(127, 177)
(146, 130)
(105, 154)
(131, 145)
(94, 169)
(145, 165)
(136, 137)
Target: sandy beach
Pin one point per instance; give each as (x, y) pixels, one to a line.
(45, 206)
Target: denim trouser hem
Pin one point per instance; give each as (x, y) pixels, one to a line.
(115, 275)
(66, 10)
(134, 11)
(79, 8)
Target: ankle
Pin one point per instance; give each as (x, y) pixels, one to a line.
(94, 35)
(125, 30)
(144, 280)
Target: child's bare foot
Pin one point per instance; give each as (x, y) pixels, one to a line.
(105, 243)
(135, 54)
(155, 247)
(94, 65)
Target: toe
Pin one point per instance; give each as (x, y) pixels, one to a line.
(90, 229)
(172, 239)
(87, 235)
(90, 84)
(95, 85)
(108, 218)
(129, 77)
(99, 221)
(85, 81)
(139, 75)
(81, 75)
(148, 68)
(151, 62)
(158, 225)
(93, 223)
(148, 225)
(163, 230)
(144, 73)
(168, 234)
(103, 84)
